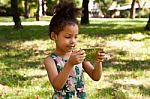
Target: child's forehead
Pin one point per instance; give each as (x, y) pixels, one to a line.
(71, 27)
(70, 30)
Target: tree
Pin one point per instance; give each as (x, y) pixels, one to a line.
(147, 27)
(132, 11)
(85, 12)
(43, 7)
(26, 8)
(15, 14)
(67, 0)
(38, 10)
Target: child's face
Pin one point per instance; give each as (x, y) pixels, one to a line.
(66, 40)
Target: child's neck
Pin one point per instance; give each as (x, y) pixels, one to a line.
(63, 55)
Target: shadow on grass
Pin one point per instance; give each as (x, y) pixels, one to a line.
(13, 60)
(110, 29)
(111, 93)
(130, 65)
(93, 30)
(117, 62)
(145, 91)
(19, 60)
(9, 34)
(16, 59)
(11, 78)
(119, 93)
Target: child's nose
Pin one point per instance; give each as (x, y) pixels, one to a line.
(73, 40)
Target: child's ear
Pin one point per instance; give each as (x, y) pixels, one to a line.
(53, 36)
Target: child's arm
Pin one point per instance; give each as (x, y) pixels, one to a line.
(59, 79)
(95, 72)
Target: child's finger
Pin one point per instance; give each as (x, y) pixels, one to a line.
(99, 60)
(80, 52)
(101, 50)
(101, 54)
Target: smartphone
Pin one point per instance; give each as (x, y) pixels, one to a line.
(91, 53)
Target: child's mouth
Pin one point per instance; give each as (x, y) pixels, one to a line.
(71, 47)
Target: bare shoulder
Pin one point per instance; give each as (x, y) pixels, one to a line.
(51, 68)
(48, 61)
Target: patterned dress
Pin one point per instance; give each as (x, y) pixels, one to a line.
(74, 87)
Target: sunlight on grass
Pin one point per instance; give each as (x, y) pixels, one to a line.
(126, 70)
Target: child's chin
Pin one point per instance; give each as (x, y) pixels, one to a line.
(70, 50)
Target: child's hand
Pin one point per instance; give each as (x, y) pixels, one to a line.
(77, 57)
(100, 55)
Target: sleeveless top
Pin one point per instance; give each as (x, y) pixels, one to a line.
(74, 87)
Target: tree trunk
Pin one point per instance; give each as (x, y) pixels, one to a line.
(26, 8)
(147, 27)
(43, 8)
(38, 9)
(15, 14)
(66, 1)
(133, 9)
(85, 12)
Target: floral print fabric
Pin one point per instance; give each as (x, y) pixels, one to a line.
(74, 87)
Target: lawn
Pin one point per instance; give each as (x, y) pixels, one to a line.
(126, 70)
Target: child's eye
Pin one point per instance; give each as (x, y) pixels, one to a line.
(76, 37)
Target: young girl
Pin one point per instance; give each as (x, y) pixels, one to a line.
(65, 65)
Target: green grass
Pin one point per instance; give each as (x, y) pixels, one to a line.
(126, 70)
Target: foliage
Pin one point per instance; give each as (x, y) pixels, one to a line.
(124, 2)
(50, 5)
(79, 3)
(5, 7)
(144, 13)
(104, 4)
(32, 7)
(125, 73)
(4, 3)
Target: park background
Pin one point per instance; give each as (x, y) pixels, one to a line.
(122, 30)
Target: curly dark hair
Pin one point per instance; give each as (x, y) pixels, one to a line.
(65, 13)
